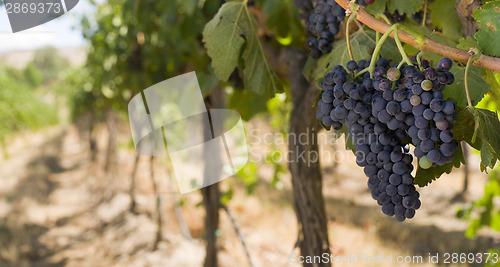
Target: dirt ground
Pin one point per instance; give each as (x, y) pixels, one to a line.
(58, 208)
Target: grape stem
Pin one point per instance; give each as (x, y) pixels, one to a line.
(400, 47)
(376, 52)
(425, 14)
(419, 60)
(401, 63)
(424, 43)
(466, 81)
(348, 36)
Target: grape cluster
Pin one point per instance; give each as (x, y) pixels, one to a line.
(323, 24)
(379, 116)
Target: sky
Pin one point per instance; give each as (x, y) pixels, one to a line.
(60, 32)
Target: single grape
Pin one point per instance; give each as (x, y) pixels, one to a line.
(399, 95)
(436, 105)
(421, 122)
(433, 156)
(447, 149)
(424, 134)
(416, 89)
(427, 85)
(327, 96)
(431, 74)
(393, 74)
(445, 64)
(448, 107)
(446, 136)
(352, 66)
(428, 114)
(424, 162)
(403, 189)
(442, 125)
(415, 100)
(388, 208)
(409, 201)
(410, 213)
(395, 179)
(426, 98)
(426, 145)
(393, 108)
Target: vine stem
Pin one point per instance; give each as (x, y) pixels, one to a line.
(424, 43)
(348, 37)
(466, 80)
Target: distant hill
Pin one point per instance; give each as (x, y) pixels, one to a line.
(19, 59)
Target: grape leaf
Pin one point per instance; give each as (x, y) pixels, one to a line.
(405, 7)
(480, 128)
(377, 8)
(467, 43)
(362, 43)
(426, 176)
(490, 78)
(487, 130)
(231, 35)
(488, 34)
(477, 86)
(247, 103)
(444, 16)
(282, 17)
(464, 124)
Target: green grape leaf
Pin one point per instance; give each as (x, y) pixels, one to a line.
(444, 16)
(488, 34)
(231, 36)
(377, 8)
(362, 44)
(462, 129)
(477, 86)
(467, 43)
(491, 79)
(282, 17)
(480, 128)
(484, 212)
(247, 103)
(487, 130)
(405, 7)
(426, 176)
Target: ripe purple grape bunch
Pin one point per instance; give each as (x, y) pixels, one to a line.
(384, 114)
(323, 24)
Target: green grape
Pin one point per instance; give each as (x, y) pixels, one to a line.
(427, 85)
(393, 74)
(424, 162)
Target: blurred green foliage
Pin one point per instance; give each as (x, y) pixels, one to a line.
(136, 44)
(20, 108)
(484, 212)
(49, 64)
